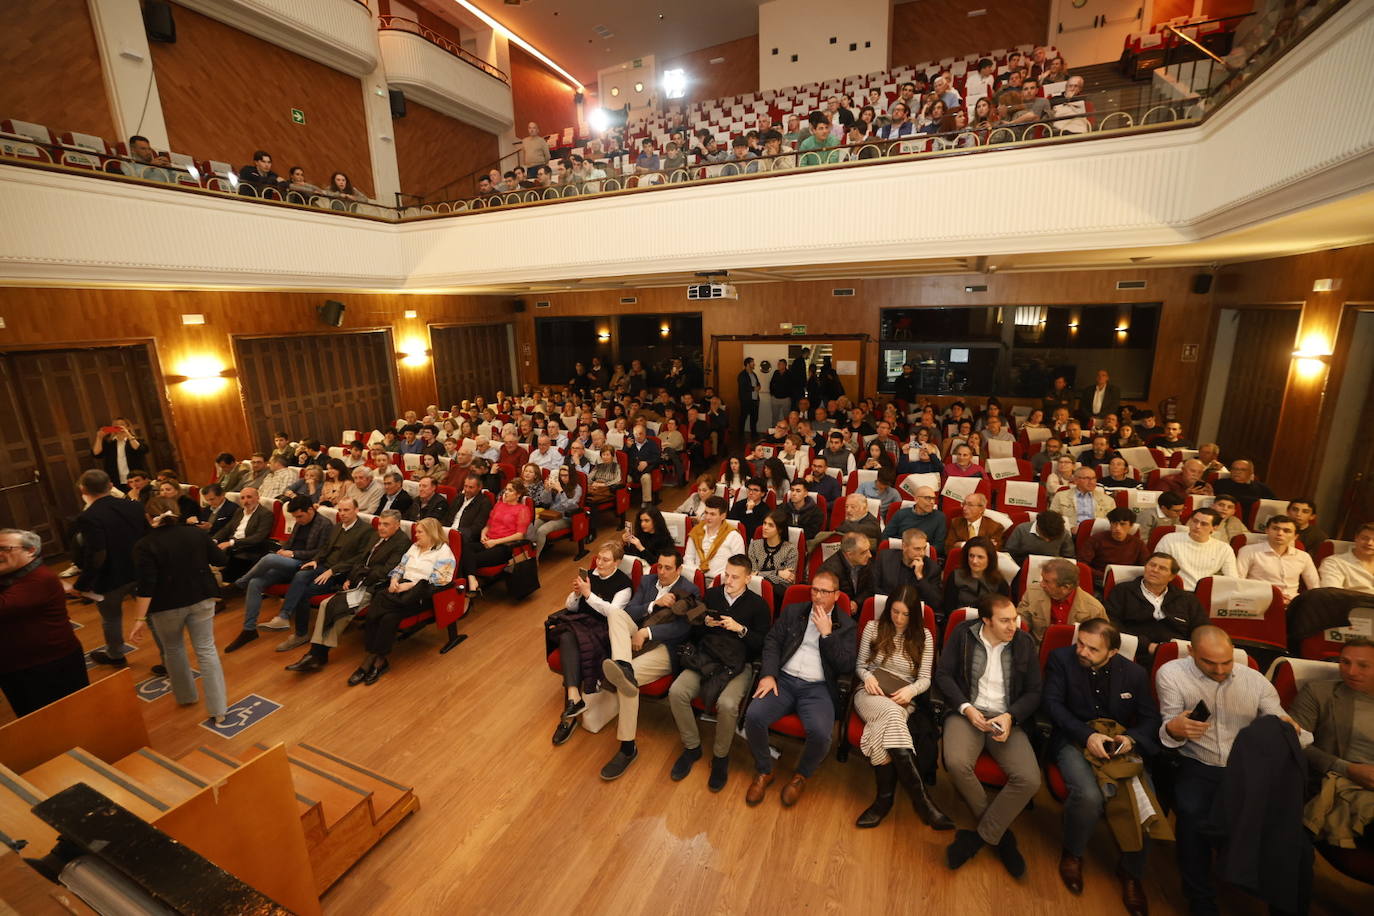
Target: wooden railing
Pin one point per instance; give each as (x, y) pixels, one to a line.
(401, 24)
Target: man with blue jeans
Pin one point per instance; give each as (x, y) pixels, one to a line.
(1090, 681)
(346, 546)
(807, 650)
(279, 566)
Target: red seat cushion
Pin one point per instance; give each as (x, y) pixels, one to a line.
(789, 725)
(1055, 780)
(988, 772)
(856, 729)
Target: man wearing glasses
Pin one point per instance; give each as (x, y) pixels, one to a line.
(806, 651)
(923, 516)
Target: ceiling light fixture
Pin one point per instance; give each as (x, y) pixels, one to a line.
(511, 36)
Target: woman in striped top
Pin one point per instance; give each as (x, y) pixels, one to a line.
(774, 555)
(895, 657)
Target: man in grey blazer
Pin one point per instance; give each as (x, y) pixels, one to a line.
(1337, 713)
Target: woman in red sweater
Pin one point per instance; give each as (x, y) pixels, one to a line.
(508, 523)
(40, 656)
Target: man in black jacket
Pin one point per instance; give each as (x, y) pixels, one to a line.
(733, 613)
(780, 392)
(752, 508)
(471, 509)
(989, 674)
(852, 565)
(244, 538)
(105, 534)
(748, 390)
(796, 377)
(333, 616)
(807, 651)
(348, 544)
(302, 545)
(1083, 682)
(217, 509)
(912, 565)
(394, 494)
(1153, 609)
(802, 511)
(430, 503)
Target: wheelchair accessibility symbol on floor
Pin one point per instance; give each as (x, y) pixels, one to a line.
(156, 687)
(246, 713)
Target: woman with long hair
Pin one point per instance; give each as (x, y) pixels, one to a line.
(336, 481)
(647, 536)
(976, 578)
(896, 653)
(427, 565)
(559, 501)
(774, 555)
(176, 595)
(735, 475)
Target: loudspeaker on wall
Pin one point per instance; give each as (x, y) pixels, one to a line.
(518, 305)
(331, 313)
(158, 22)
(398, 103)
(1202, 284)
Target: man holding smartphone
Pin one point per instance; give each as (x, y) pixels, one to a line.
(1085, 682)
(989, 675)
(1205, 701)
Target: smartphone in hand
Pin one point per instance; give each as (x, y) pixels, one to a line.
(1200, 712)
(996, 727)
(582, 574)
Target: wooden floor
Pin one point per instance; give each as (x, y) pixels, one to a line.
(509, 823)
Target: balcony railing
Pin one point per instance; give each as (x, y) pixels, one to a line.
(400, 24)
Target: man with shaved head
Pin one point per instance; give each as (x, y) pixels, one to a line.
(1205, 700)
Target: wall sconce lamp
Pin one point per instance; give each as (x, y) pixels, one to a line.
(603, 336)
(201, 375)
(414, 353)
(663, 331)
(1313, 356)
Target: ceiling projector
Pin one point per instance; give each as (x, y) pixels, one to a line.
(712, 291)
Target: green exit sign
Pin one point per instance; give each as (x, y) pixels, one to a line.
(297, 116)
(798, 330)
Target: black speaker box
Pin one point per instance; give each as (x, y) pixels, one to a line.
(519, 305)
(398, 103)
(158, 22)
(331, 313)
(1202, 284)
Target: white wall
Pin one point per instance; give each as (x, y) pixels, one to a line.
(804, 28)
(624, 76)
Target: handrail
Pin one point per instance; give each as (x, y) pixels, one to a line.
(1194, 42)
(402, 24)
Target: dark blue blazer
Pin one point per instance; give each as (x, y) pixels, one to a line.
(1068, 700)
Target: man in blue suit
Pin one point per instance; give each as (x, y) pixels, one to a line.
(644, 456)
(1088, 681)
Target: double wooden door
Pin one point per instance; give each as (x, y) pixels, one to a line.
(52, 404)
(470, 360)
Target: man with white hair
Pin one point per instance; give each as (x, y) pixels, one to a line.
(365, 491)
(40, 657)
(972, 523)
(1083, 500)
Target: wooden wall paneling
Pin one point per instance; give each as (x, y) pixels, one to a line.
(934, 29)
(316, 386)
(205, 419)
(471, 360)
(23, 499)
(226, 93)
(52, 68)
(433, 149)
(539, 95)
(1255, 386)
(738, 74)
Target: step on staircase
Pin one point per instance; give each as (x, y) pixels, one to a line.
(343, 808)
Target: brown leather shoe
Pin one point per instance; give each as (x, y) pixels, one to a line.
(1133, 895)
(758, 788)
(1071, 872)
(793, 790)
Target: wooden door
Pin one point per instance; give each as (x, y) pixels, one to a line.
(471, 360)
(1254, 390)
(22, 500)
(316, 385)
(67, 396)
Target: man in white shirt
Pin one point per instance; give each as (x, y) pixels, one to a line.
(1199, 555)
(484, 449)
(1234, 696)
(546, 456)
(1353, 570)
(365, 491)
(277, 480)
(989, 674)
(713, 541)
(978, 84)
(1278, 560)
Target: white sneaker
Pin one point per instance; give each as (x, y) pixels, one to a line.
(276, 623)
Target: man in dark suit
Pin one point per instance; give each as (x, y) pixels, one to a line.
(752, 509)
(333, 616)
(911, 565)
(852, 565)
(748, 388)
(735, 625)
(348, 544)
(471, 509)
(1085, 682)
(644, 456)
(429, 504)
(1153, 609)
(217, 508)
(394, 495)
(105, 534)
(1099, 399)
(796, 377)
(245, 536)
(806, 652)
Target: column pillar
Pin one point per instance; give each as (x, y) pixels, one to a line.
(127, 66)
(381, 132)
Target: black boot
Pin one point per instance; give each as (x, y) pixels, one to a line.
(904, 762)
(882, 804)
